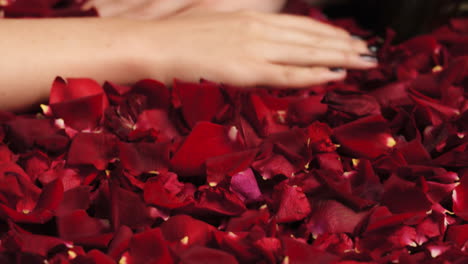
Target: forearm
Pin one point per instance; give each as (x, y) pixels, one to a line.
(35, 52)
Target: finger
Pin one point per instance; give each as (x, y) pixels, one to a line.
(303, 55)
(305, 24)
(283, 76)
(313, 40)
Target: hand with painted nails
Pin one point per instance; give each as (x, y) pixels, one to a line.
(250, 48)
(242, 48)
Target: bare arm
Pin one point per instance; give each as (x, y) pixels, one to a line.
(240, 48)
(35, 51)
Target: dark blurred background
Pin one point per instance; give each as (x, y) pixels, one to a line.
(407, 17)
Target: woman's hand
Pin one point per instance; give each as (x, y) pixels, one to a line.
(249, 49)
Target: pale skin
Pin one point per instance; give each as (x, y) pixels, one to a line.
(242, 43)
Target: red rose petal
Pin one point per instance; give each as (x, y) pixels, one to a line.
(92, 149)
(299, 252)
(333, 217)
(120, 242)
(199, 102)
(205, 141)
(149, 247)
(204, 255)
(306, 110)
(127, 208)
(30, 243)
(78, 225)
(74, 199)
(458, 234)
(217, 168)
(367, 137)
(26, 133)
(143, 157)
(157, 123)
(291, 202)
(165, 191)
(84, 94)
(402, 196)
(355, 104)
(460, 197)
(219, 201)
(272, 166)
(181, 226)
(156, 92)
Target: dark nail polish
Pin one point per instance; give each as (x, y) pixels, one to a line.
(337, 69)
(373, 48)
(369, 58)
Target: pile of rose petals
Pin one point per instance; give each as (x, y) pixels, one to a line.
(371, 170)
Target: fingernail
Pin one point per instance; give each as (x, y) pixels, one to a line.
(373, 48)
(337, 69)
(368, 58)
(356, 37)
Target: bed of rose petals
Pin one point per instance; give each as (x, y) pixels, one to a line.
(371, 170)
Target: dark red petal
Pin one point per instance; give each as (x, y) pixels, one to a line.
(300, 252)
(319, 137)
(84, 94)
(199, 101)
(460, 196)
(156, 122)
(143, 157)
(237, 244)
(270, 247)
(165, 191)
(261, 117)
(402, 196)
(205, 141)
(127, 208)
(79, 224)
(204, 255)
(355, 104)
(247, 220)
(217, 168)
(333, 217)
(458, 234)
(149, 247)
(157, 93)
(272, 166)
(74, 199)
(291, 202)
(180, 226)
(219, 201)
(120, 242)
(96, 149)
(99, 257)
(31, 243)
(367, 137)
(51, 197)
(306, 110)
(24, 133)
